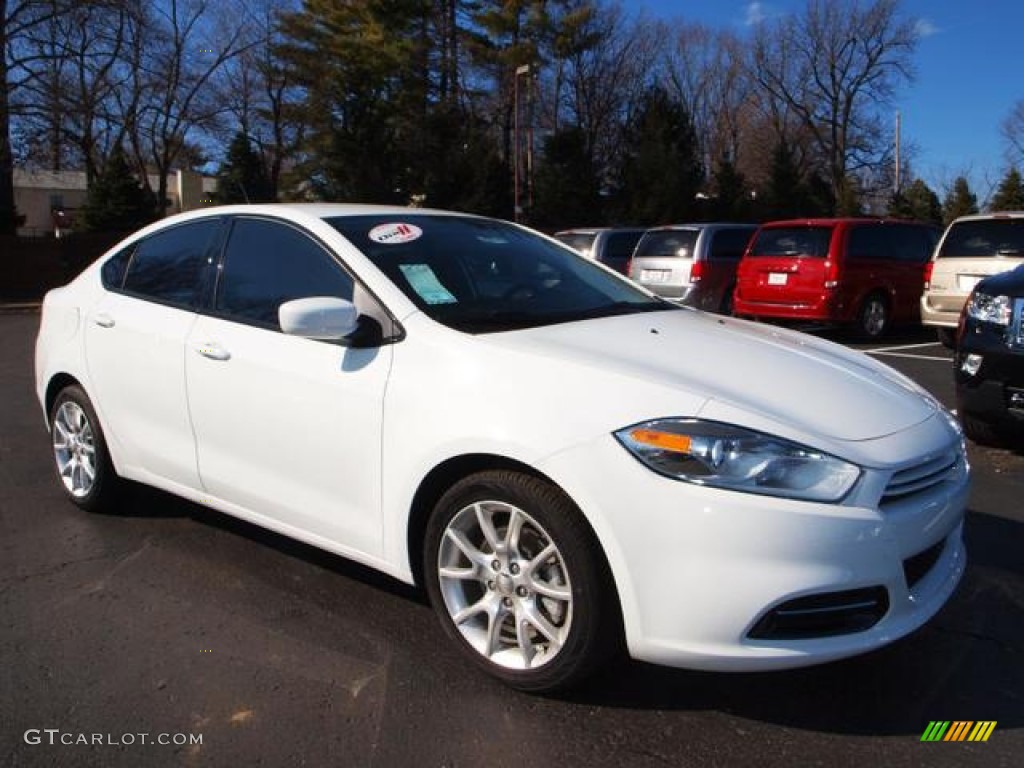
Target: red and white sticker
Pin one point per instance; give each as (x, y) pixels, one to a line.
(395, 233)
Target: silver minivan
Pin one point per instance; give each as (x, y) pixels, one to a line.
(972, 248)
(693, 264)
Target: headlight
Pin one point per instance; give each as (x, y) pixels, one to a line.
(724, 456)
(990, 309)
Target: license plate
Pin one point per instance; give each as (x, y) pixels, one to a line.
(966, 283)
(777, 278)
(654, 275)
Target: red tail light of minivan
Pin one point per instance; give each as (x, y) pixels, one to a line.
(831, 274)
(928, 274)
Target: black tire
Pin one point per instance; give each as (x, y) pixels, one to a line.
(588, 623)
(727, 302)
(105, 486)
(873, 318)
(947, 337)
(981, 432)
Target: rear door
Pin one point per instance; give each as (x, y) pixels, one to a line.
(786, 265)
(663, 260)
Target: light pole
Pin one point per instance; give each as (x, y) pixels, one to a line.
(523, 69)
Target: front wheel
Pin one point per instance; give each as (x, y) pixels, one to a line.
(80, 451)
(873, 318)
(517, 580)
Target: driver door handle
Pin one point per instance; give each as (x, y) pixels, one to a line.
(103, 320)
(213, 351)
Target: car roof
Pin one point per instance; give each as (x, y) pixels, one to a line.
(316, 210)
(834, 220)
(990, 216)
(702, 225)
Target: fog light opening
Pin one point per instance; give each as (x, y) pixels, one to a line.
(971, 364)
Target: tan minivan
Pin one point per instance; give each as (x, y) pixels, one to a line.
(973, 247)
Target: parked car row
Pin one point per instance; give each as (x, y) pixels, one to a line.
(863, 273)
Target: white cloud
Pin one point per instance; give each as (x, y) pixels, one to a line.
(924, 28)
(756, 13)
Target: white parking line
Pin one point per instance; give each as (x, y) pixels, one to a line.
(903, 346)
(911, 357)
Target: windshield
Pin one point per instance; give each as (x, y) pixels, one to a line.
(668, 242)
(984, 238)
(483, 275)
(792, 241)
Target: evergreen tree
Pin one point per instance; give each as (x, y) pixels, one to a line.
(732, 198)
(661, 172)
(919, 203)
(959, 202)
(567, 190)
(789, 195)
(116, 202)
(1009, 195)
(242, 177)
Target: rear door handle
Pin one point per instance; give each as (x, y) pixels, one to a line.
(103, 320)
(213, 351)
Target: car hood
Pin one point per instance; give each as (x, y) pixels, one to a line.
(737, 369)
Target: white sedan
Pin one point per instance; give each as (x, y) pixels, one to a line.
(568, 464)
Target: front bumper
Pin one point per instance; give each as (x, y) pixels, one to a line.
(699, 571)
(996, 392)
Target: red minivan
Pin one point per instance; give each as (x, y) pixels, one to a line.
(868, 273)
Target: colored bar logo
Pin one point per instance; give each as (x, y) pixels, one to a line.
(958, 730)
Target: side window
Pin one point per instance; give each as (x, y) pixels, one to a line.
(914, 244)
(268, 263)
(621, 245)
(112, 273)
(868, 241)
(730, 243)
(168, 266)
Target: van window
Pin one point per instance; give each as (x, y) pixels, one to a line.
(668, 242)
(799, 242)
(621, 245)
(984, 238)
(871, 241)
(730, 243)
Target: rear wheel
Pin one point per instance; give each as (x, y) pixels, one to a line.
(873, 319)
(947, 337)
(727, 302)
(80, 451)
(517, 580)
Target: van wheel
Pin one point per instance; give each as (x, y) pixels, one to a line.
(873, 319)
(727, 306)
(947, 337)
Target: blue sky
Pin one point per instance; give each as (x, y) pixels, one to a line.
(968, 76)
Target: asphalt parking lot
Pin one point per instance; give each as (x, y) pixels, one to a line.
(171, 620)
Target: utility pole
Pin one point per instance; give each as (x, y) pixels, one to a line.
(521, 70)
(896, 184)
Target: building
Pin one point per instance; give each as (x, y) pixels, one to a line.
(49, 199)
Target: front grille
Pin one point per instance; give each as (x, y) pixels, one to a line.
(921, 477)
(916, 568)
(824, 615)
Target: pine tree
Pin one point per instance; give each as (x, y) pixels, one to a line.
(116, 202)
(918, 202)
(959, 202)
(732, 200)
(242, 177)
(1009, 195)
(661, 172)
(567, 188)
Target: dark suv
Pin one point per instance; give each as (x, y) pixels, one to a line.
(990, 359)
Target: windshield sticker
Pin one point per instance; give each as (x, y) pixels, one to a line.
(423, 280)
(395, 233)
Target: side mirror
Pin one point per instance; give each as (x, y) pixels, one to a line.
(318, 317)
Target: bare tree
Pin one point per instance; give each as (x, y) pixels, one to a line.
(1013, 132)
(834, 66)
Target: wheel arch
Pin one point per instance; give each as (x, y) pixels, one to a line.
(56, 384)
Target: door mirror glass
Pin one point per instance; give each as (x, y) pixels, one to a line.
(318, 317)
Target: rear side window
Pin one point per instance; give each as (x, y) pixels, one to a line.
(984, 238)
(621, 245)
(112, 273)
(168, 266)
(799, 242)
(871, 241)
(267, 263)
(668, 242)
(730, 243)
